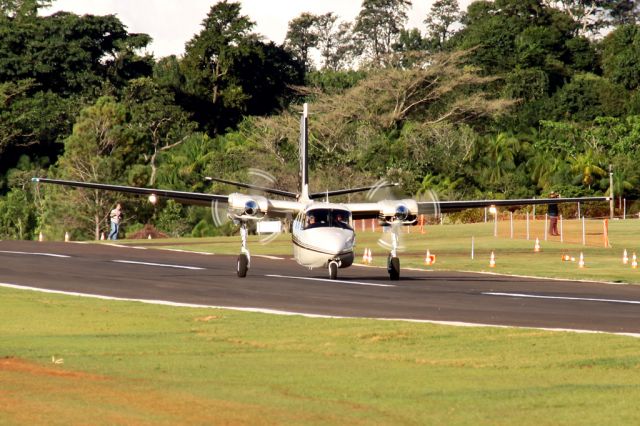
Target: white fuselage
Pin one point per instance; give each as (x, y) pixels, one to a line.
(317, 244)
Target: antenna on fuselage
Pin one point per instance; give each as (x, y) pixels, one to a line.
(304, 157)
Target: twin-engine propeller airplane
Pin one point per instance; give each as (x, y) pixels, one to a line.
(322, 232)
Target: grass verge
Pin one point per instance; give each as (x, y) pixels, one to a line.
(131, 363)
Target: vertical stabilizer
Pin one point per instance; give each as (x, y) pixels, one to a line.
(304, 156)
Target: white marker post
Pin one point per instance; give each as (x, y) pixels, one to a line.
(584, 235)
(472, 247)
(511, 221)
(527, 226)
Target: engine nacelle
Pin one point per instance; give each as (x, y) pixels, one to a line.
(247, 207)
(398, 211)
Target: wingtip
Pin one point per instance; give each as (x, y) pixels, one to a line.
(35, 179)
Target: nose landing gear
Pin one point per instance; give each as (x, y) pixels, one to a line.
(393, 261)
(333, 270)
(244, 259)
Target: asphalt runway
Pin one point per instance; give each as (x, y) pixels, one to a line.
(282, 285)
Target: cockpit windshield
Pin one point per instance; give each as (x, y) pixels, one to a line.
(336, 218)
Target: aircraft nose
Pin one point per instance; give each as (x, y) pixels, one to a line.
(337, 242)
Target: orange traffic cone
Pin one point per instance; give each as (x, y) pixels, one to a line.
(365, 258)
(429, 258)
(581, 261)
(67, 238)
(102, 237)
(634, 261)
(492, 261)
(536, 247)
(565, 258)
(41, 237)
(625, 257)
(370, 257)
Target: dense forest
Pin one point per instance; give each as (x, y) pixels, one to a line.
(510, 98)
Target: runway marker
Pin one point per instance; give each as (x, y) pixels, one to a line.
(330, 281)
(264, 256)
(188, 251)
(34, 254)
(583, 299)
(164, 265)
(307, 315)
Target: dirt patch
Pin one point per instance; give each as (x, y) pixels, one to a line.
(22, 366)
(33, 393)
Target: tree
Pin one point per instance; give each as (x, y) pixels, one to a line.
(229, 72)
(92, 154)
(378, 26)
(442, 15)
(302, 37)
(594, 15)
(334, 43)
(158, 124)
(621, 56)
(22, 8)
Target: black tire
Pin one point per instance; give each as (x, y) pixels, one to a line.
(333, 270)
(393, 266)
(243, 265)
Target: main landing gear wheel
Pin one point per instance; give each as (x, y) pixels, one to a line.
(333, 270)
(393, 266)
(243, 265)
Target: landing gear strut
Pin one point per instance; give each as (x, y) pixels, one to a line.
(393, 261)
(244, 259)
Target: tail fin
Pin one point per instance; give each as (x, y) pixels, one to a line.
(304, 157)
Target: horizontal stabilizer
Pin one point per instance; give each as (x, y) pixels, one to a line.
(316, 195)
(256, 187)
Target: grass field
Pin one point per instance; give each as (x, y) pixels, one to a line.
(69, 360)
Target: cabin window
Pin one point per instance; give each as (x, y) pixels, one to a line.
(337, 218)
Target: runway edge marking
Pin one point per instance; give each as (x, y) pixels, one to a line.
(288, 313)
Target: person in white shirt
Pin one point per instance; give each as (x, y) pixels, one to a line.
(115, 216)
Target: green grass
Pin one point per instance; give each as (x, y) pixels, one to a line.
(131, 363)
(452, 246)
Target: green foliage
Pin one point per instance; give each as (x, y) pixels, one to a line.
(171, 220)
(621, 56)
(17, 218)
(378, 26)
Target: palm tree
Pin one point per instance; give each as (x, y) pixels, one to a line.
(586, 166)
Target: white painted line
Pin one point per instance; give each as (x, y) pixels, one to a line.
(34, 254)
(583, 299)
(187, 251)
(164, 265)
(264, 256)
(302, 314)
(330, 281)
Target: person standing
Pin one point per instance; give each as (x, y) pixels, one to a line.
(115, 216)
(553, 216)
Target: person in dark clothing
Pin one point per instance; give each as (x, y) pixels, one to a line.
(553, 216)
